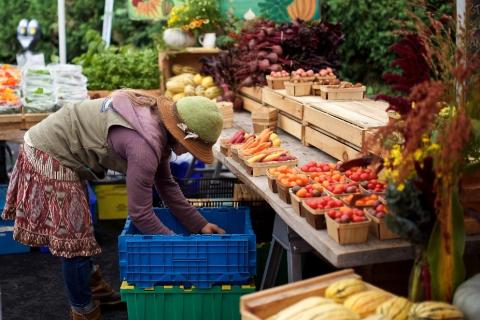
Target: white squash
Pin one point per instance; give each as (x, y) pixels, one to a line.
(467, 298)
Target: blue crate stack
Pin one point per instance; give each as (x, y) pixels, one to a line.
(196, 261)
(7, 244)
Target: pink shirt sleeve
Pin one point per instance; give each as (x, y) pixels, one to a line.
(143, 170)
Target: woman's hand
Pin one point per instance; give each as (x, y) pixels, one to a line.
(212, 228)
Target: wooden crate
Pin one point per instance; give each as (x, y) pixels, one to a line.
(187, 57)
(263, 118)
(11, 121)
(226, 109)
(272, 182)
(31, 119)
(276, 83)
(297, 202)
(250, 104)
(343, 93)
(291, 126)
(283, 192)
(315, 218)
(328, 144)
(264, 304)
(242, 192)
(283, 103)
(379, 228)
(348, 233)
(254, 93)
(298, 89)
(260, 168)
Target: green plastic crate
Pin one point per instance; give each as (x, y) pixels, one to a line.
(179, 303)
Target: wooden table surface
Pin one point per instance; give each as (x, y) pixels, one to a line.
(372, 252)
(12, 135)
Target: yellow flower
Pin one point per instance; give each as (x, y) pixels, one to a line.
(401, 187)
(434, 147)
(418, 154)
(395, 174)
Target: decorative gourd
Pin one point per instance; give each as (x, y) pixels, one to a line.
(301, 306)
(365, 303)
(433, 310)
(377, 317)
(327, 312)
(342, 289)
(396, 308)
(467, 298)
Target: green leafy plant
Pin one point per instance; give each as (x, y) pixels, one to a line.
(81, 16)
(118, 67)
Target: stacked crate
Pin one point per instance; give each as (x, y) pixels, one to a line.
(188, 276)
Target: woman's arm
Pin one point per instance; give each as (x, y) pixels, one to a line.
(141, 168)
(171, 194)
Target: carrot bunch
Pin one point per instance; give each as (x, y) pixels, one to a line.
(260, 143)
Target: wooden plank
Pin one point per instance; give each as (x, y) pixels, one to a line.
(282, 103)
(251, 105)
(372, 109)
(32, 119)
(333, 125)
(254, 93)
(290, 126)
(338, 109)
(15, 135)
(329, 145)
(11, 121)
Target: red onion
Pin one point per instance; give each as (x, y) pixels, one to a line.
(247, 82)
(238, 103)
(253, 66)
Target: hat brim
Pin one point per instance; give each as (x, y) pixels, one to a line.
(168, 113)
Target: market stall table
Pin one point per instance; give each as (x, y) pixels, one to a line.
(341, 256)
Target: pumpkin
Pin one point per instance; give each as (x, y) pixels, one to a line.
(433, 310)
(467, 298)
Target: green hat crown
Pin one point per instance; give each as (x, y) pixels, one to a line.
(201, 116)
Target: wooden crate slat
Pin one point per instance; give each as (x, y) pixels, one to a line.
(254, 93)
(250, 104)
(329, 145)
(282, 103)
(291, 126)
(334, 125)
(338, 109)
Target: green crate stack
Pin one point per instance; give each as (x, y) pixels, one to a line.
(180, 303)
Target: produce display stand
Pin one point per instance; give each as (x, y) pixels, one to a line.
(339, 128)
(252, 98)
(293, 232)
(187, 57)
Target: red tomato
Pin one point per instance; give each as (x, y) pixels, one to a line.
(304, 168)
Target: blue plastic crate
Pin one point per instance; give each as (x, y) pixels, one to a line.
(7, 244)
(190, 259)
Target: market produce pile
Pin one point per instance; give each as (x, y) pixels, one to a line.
(40, 88)
(38, 91)
(189, 82)
(9, 89)
(352, 299)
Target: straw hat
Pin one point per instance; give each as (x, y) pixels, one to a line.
(195, 122)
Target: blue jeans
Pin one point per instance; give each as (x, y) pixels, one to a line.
(77, 272)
